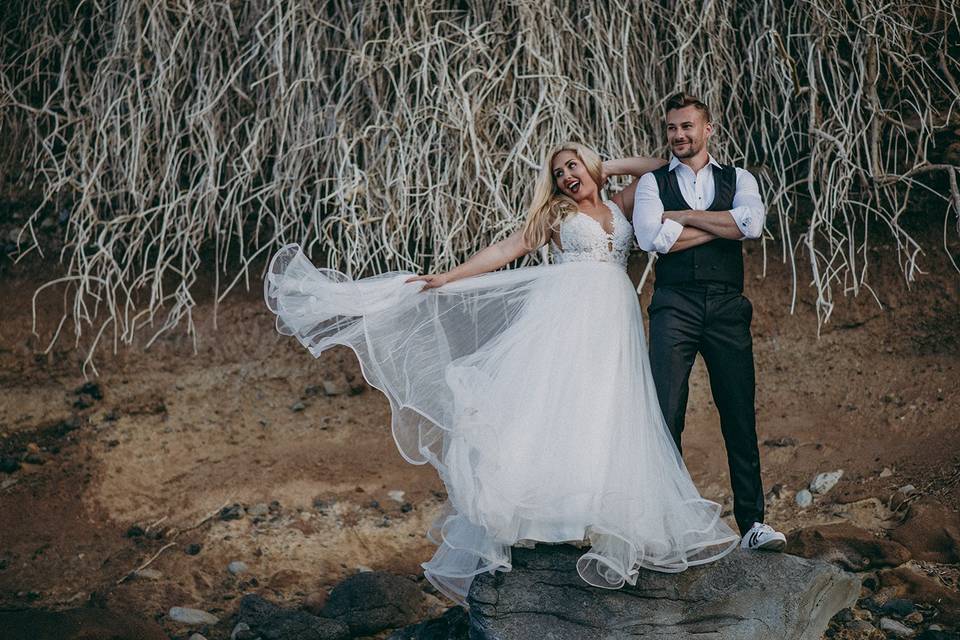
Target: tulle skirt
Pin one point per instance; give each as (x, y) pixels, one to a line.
(530, 392)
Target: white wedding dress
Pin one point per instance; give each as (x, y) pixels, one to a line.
(530, 392)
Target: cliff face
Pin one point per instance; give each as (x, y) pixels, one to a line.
(744, 596)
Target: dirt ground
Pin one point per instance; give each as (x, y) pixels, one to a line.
(134, 477)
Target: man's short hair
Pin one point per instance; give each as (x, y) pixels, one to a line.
(681, 100)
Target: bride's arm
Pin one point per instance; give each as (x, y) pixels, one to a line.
(635, 167)
(490, 259)
(631, 167)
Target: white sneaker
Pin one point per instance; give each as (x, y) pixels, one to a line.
(763, 536)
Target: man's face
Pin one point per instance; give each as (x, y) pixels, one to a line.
(687, 131)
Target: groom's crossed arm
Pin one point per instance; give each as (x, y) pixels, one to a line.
(669, 231)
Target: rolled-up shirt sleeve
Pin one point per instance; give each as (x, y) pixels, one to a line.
(748, 210)
(653, 233)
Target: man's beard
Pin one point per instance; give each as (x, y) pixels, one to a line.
(691, 150)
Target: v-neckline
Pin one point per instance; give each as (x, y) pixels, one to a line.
(613, 219)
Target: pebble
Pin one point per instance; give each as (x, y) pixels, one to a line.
(192, 616)
(823, 482)
(396, 495)
(898, 607)
(861, 626)
(363, 569)
(193, 549)
(315, 601)
(9, 465)
(898, 629)
(237, 567)
(197, 636)
(914, 618)
(297, 406)
(33, 458)
(804, 498)
(259, 509)
(907, 489)
(330, 388)
(886, 473)
(149, 574)
(233, 512)
(240, 631)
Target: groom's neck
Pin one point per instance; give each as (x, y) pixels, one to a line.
(698, 161)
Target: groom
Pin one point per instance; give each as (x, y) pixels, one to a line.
(694, 212)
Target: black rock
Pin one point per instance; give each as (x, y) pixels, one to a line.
(193, 548)
(371, 601)
(233, 512)
(9, 465)
(406, 507)
(897, 607)
(135, 531)
(454, 624)
(275, 623)
(930, 634)
(91, 389)
(33, 458)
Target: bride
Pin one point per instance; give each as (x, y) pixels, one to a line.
(529, 390)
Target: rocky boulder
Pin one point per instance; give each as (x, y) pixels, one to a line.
(744, 596)
(371, 601)
(846, 546)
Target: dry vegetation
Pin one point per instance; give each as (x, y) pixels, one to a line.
(170, 135)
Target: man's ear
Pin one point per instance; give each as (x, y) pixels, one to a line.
(708, 129)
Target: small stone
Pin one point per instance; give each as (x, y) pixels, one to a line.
(241, 632)
(237, 567)
(363, 569)
(192, 616)
(804, 498)
(9, 465)
(861, 626)
(148, 574)
(330, 388)
(780, 442)
(259, 510)
(914, 618)
(823, 482)
(897, 606)
(406, 507)
(907, 489)
(396, 495)
(886, 473)
(233, 512)
(297, 406)
(197, 636)
(315, 601)
(193, 548)
(33, 458)
(898, 629)
(135, 531)
(91, 389)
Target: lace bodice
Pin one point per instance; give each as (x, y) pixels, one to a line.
(585, 240)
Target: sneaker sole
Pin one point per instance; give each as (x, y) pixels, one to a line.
(772, 545)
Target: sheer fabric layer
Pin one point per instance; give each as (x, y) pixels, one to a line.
(530, 392)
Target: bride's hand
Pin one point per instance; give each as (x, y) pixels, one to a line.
(432, 280)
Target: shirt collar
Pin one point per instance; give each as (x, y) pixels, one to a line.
(675, 162)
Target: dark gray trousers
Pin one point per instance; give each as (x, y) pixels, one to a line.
(712, 319)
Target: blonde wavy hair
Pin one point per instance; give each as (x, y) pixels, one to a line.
(549, 205)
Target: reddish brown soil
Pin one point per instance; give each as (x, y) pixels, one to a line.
(177, 436)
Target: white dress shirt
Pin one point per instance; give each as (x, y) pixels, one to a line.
(655, 234)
